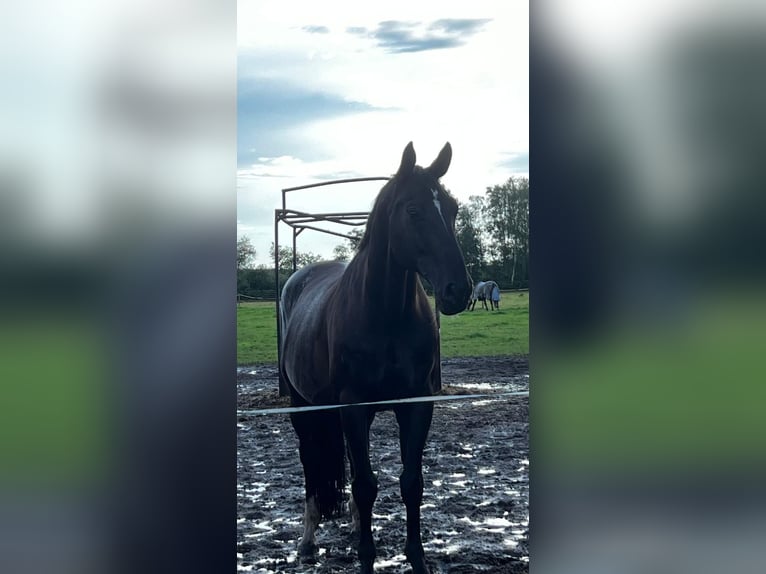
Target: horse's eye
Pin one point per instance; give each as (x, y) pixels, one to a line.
(413, 211)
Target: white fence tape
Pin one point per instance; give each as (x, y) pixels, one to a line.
(288, 410)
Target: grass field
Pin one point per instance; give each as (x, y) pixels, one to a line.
(54, 425)
(664, 398)
(469, 334)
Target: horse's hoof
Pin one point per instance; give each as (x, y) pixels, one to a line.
(418, 562)
(307, 550)
(308, 560)
(420, 567)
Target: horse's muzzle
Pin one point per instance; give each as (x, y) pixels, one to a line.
(454, 297)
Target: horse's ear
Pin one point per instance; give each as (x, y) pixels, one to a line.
(408, 161)
(441, 164)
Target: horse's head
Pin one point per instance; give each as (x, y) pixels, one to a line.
(422, 230)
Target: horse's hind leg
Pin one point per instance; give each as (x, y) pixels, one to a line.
(320, 443)
(414, 422)
(311, 517)
(354, 511)
(364, 485)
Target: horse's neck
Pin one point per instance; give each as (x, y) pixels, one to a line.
(388, 290)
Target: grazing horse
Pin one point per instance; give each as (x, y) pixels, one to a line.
(485, 291)
(383, 347)
(477, 295)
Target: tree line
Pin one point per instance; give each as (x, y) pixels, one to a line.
(492, 231)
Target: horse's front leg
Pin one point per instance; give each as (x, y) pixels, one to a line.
(352, 507)
(364, 485)
(414, 422)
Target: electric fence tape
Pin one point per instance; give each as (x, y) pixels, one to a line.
(288, 410)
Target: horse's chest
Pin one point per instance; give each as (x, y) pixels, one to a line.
(395, 366)
(399, 364)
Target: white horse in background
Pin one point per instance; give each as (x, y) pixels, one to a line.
(485, 291)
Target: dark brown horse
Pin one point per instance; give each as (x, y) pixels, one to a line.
(384, 346)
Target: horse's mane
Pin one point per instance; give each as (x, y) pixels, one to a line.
(380, 208)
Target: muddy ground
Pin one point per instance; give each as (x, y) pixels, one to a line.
(476, 473)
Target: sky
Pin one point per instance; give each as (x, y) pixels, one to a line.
(329, 90)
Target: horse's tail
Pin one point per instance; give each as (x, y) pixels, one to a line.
(323, 453)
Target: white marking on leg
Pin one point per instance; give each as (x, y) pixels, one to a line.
(310, 522)
(354, 509)
(438, 206)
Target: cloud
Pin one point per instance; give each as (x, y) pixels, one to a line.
(397, 36)
(287, 166)
(270, 111)
(276, 104)
(282, 166)
(517, 162)
(460, 25)
(316, 29)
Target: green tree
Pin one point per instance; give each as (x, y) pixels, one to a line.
(469, 238)
(245, 258)
(245, 253)
(302, 258)
(341, 253)
(258, 283)
(355, 237)
(506, 216)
